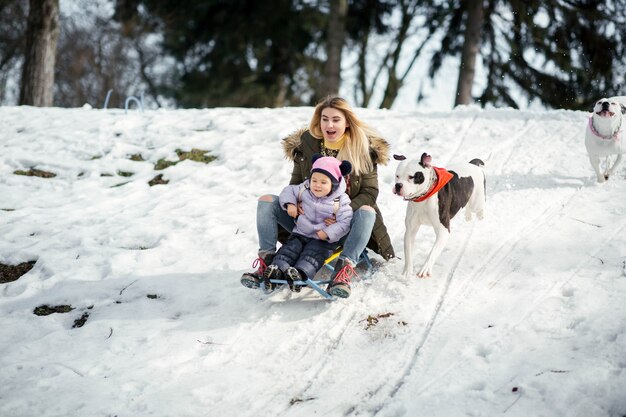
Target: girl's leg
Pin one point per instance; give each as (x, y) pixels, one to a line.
(268, 216)
(313, 256)
(289, 253)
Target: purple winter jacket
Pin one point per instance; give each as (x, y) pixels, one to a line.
(316, 210)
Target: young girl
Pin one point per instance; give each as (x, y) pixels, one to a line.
(336, 131)
(311, 203)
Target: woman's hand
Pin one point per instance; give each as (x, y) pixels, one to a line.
(322, 235)
(292, 210)
(330, 220)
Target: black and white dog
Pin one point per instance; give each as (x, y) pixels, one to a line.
(435, 195)
(604, 135)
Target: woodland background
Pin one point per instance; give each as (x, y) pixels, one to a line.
(248, 53)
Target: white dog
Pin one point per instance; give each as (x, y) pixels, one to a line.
(434, 196)
(604, 136)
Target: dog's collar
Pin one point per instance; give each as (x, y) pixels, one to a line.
(614, 136)
(442, 177)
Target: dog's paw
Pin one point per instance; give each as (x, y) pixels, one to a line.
(407, 272)
(425, 272)
(468, 215)
(480, 215)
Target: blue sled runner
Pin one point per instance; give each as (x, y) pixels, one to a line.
(318, 285)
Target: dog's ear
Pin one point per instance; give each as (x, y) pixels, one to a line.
(426, 160)
(399, 157)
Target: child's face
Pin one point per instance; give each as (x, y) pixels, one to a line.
(320, 185)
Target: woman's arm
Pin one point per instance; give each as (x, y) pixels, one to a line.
(341, 226)
(368, 191)
(296, 173)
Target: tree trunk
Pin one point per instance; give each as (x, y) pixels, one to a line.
(471, 46)
(42, 34)
(334, 46)
(408, 11)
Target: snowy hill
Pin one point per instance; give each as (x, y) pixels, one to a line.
(525, 314)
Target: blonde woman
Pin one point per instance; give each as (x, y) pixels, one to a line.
(335, 131)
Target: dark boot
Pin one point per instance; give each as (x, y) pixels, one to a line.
(271, 272)
(253, 279)
(293, 275)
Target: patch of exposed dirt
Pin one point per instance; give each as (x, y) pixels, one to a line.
(81, 321)
(197, 155)
(374, 320)
(125, 173)
(157, 180)
(35, 173)
(10, 273)
(46, 310)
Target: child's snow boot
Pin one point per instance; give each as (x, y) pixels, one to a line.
(271, 272)
(293, 275)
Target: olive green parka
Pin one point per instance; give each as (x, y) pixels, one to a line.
(300, 146)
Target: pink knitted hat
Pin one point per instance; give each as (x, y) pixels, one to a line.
(331, 167)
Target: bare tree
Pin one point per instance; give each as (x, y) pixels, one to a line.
(335, 39)
(96, 54)
(42, 34)
(396, 63)
(471, 46)
(13, 14)
(395, 81)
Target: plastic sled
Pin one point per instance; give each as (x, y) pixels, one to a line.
(319, 285)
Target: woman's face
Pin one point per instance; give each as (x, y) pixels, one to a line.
(320, 184)
(333, 124)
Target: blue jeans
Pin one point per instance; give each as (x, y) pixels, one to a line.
(269, 215)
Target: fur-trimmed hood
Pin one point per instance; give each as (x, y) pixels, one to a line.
(379, 147)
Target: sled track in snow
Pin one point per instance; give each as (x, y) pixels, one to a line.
(341, 319)
(501, 254)
(510, 147)
(546, 216)
(410, 364)
(529, 124)
(540, 298)
(268, 303)
(545, 293)
(574, 273)
(323, 364)
(463, 136)
(434, 316)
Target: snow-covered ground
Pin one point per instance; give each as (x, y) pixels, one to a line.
(525, 314)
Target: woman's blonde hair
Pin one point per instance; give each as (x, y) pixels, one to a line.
(356, 148)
